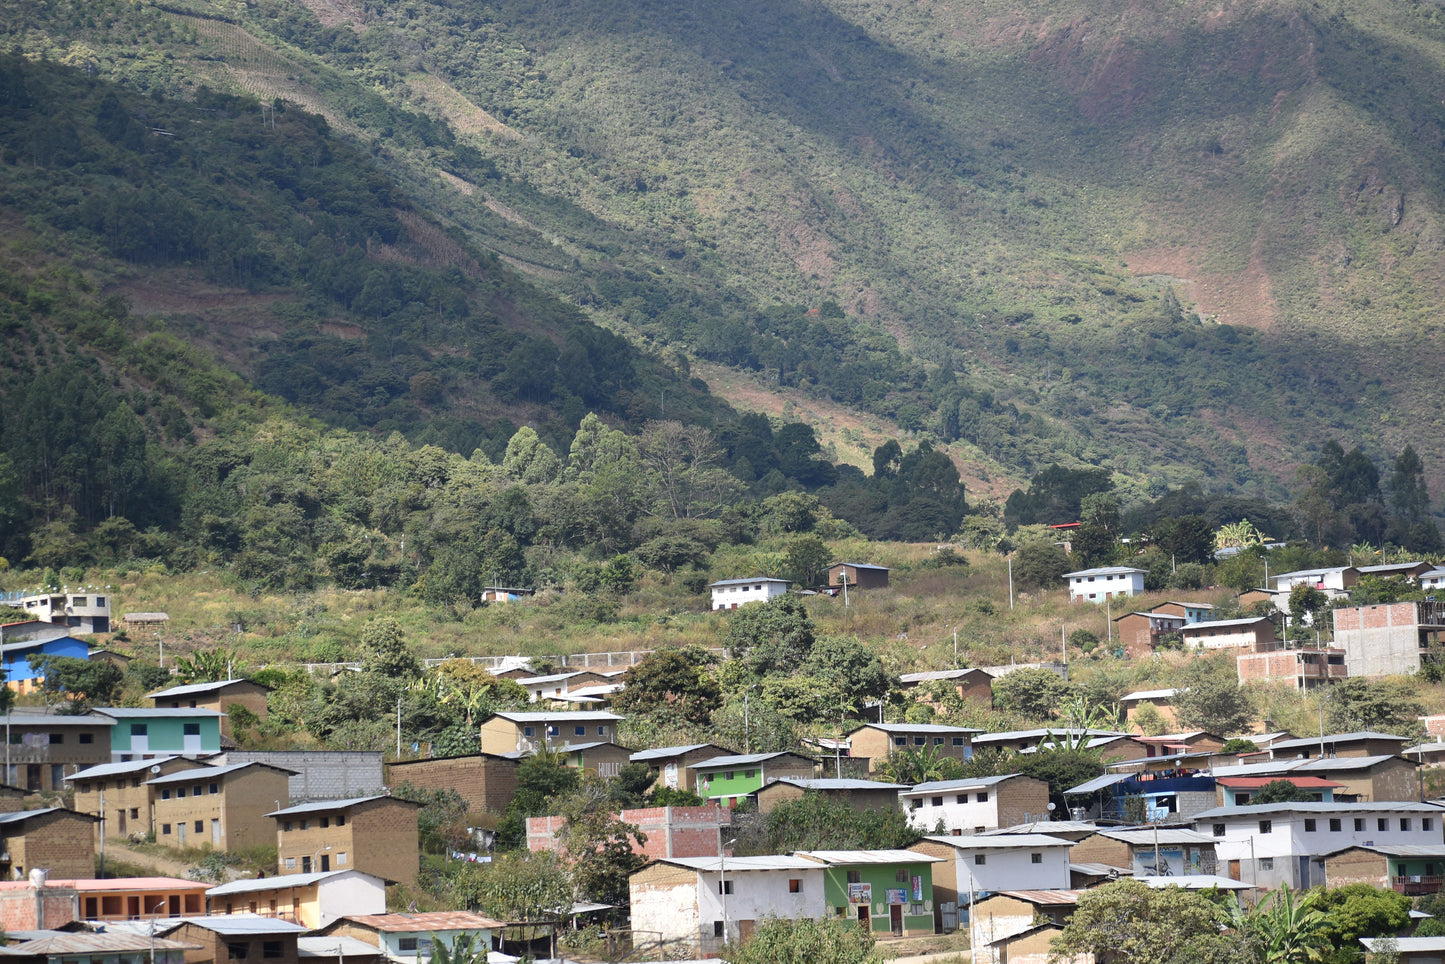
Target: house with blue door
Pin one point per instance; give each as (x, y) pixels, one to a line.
(140, 734)
(16, 656)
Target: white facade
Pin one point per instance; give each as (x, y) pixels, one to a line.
(732, 593)
(342, 893)
(962, 806)
(1097, 585)
(1025, 861)
(1285, 843)
(681, 900)
(88, 612)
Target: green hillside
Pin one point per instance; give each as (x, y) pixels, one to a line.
(1182, 243)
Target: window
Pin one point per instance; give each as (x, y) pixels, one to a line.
(200, 826)
(100, 600)
(1360, 824)
(579, 731)
(717, 930)
(341, 859)
(1335, 825)
(725, 887)
(915, 803)
(139, 729)
(602, 731)
(166, 795)
(855, 876)
(919, 740)
(180, 793)
(286, 825)
(16, 738)
(1404, 823)
(1036, 858)
(1265, 826)
(748, 774)
(87, 738)
(958, 741)
(1309, 825)
(1218, 829)
(730, 775)
(1266, 863)
(935, 801)
(270, 948)
(900, 876)
(938, 741)
(325, 822)
(215, 788)
(165, 830)
(528, 731)
(236, 950)
(980, 797)
(196, 791)
(961, 798)
(897, 741)
(1382, 823)
(84, 788)
(341, 819)
(135, 813)
(552, 729)
(979, 860)
(56, 738)
(406, 944)
(1427, 824)
(795, 886)
(191, 729)
(306, 825)
(290, 863)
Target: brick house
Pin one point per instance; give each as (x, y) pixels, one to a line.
(217, 807)
(556, 686)
(1193, 612)
(670, 831)
(486, 781)
(1388, 638)
(238, 939)
(974, 685)
(219, 697)
(1412, 870)
(58, 840)
(857, 575)
(858, 794)
(874, 742)
(376, 835)
(122, 789)
(411, 938)
(525, 732)
(1161, 699)
(975, 804)
(1182, 851)
(1360, 743)
(600, 759)
(1140, 633)
(1010, 913)
(45, 748)
(312, 900)
(672, 763)
(64, 900)
(1306, 667)
(1248, 634)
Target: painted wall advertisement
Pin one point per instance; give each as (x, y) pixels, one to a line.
(860, 893)
(897, 895)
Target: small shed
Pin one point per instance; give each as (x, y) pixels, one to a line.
(858, 575)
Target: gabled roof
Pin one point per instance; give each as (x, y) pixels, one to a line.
(1149, 695)
(196, 689)
(941, 674)
(860, 565)
(327, 806)
(1010, 735)
(663, 752)
(213, 773)
(1227, 623)
(585, 716)
(1105, 571)
(849, 858)
(743, 760)
(279, 881)
(155, 713)
(1043, 897)
(838, 783)
(1250, 783)
(33, 718)
(1140, 836)
(1329, 738)
(915, 729)
(114, 769)
(20, 816)
(226, 924)
(80, 943)
(1397, 850)
(739, 864)
(967, 783)
(749, 581)
(1015, 841)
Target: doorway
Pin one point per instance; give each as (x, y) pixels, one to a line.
(895, 919)
(864, 917)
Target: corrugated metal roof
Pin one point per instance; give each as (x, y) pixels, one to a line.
(322, 806)
(191, 689)
(964, 784)
(1165, 835)
(662, 752)
(845, 858)
(86, 942)
(1100, 783)
(1250, 783)
(272, 883)
(112, 769)
(1404, 945)
(445, 920)
(739, 864)
(937, 674)
(918, 728)
(57, 719)
(838, 783)
(1330, 763)
(1016, 841)
(744, 582)
(1314, 741)
(154, 713)
(1046, 826)
(1094, 869)
(559, 716)
(211, 773)
(1195, 882)
(741, 760)
(1010, 735)
(1150, 694)
(228, 924)
(1398, 850)
(1051, 897)
(330, 947)
(1319, 806)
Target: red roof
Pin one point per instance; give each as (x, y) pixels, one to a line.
(115, 883)
(1304, 783)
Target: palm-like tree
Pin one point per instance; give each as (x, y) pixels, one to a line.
(1290, 931)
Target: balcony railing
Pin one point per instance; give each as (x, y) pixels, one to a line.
(1412, 886)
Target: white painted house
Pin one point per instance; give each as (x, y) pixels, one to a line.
(732, 593)
(1105, 582)
(698, 903)
(1286, 843)
(975, 804)
(314, 899)
(985, 865)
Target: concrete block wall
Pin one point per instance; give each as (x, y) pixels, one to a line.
(321, 774)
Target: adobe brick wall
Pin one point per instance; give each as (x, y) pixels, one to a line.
(1101, 850)
(238, 810)
(20, 910)
(1018, 797)
(945, 875)
(670, 831)
(213, 946)
(485, 782)
(124, 793)
(379, 837)
(1357, 867)
(61, 842)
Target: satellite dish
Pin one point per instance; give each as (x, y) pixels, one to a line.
(156, 768)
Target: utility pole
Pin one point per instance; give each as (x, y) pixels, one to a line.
(398, 727)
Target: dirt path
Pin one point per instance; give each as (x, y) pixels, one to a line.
(163, 866)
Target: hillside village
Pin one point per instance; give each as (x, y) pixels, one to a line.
(901, 824)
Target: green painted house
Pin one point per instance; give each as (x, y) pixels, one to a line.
(887, 891)
(139, 734)
(729, 780)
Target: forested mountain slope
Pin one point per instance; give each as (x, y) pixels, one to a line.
(1179, 241)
